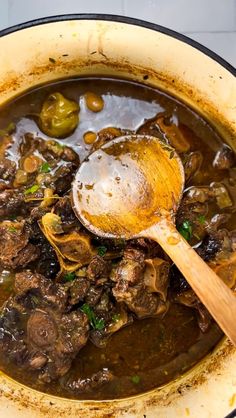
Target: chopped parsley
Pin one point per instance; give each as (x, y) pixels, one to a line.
(45, 168)
(115, 317)
(186, 230)
(102, 250)
(32, 189)
(12, 229)
(69, 277)
(135, 379)
(95, 322)
(201, 219)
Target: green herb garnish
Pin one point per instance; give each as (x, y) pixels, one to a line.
(45, 168)
(186, 230)
(135, 379)
(32, 189)
(69, 277)
(115, 317)
(12, 229)
(201, 219)
(102, 250)
(95, 322)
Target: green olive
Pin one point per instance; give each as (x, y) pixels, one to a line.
(59, 116)
(94, 102)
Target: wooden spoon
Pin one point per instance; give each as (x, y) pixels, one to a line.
(131, 187)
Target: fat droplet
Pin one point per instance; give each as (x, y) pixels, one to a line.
(172, 240)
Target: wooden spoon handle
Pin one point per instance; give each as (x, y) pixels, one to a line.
(211, 290)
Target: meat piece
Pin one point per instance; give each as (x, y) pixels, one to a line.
(190, 299)
(116, 317)
(47, 264)
(93, 295)
(63, 178)
(217, 244)
(12, 334)
(216, 221)
(42, 336)
(190, 210)
(42, 330)
(25, 256)
(64, 210)
(16, 251)
(78, 290)
(210, 246)
(166, 126)
(59, 337)
(135, 254)
(148, 246)
(7, 166)
(178, 283)
(224, 158)
(50, 293)
(130, 287)
(104, 307)
(7, 170)
(98, 267)
(130, 269)
(192, 164)
(37, 213)
(141, 302)
(12, 203)
(87, 384)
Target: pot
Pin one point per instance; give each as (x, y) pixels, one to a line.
(80, 45)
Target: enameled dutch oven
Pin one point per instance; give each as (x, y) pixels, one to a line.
(83, 45)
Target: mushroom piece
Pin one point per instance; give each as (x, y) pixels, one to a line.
(221, 194)
(192, 164)
(105, 135)
(164, 126)
(226, 270)
(224, 158)
(156, 276)
(173, 134)
(189, 298)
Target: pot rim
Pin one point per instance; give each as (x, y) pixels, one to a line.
(146, 25)
(126, 20)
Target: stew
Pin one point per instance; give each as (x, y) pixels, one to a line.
(90, 318)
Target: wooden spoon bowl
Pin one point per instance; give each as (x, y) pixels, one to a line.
(131, 187)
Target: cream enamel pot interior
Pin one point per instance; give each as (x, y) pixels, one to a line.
(83, 45)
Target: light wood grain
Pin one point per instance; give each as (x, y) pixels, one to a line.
(131, 187)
